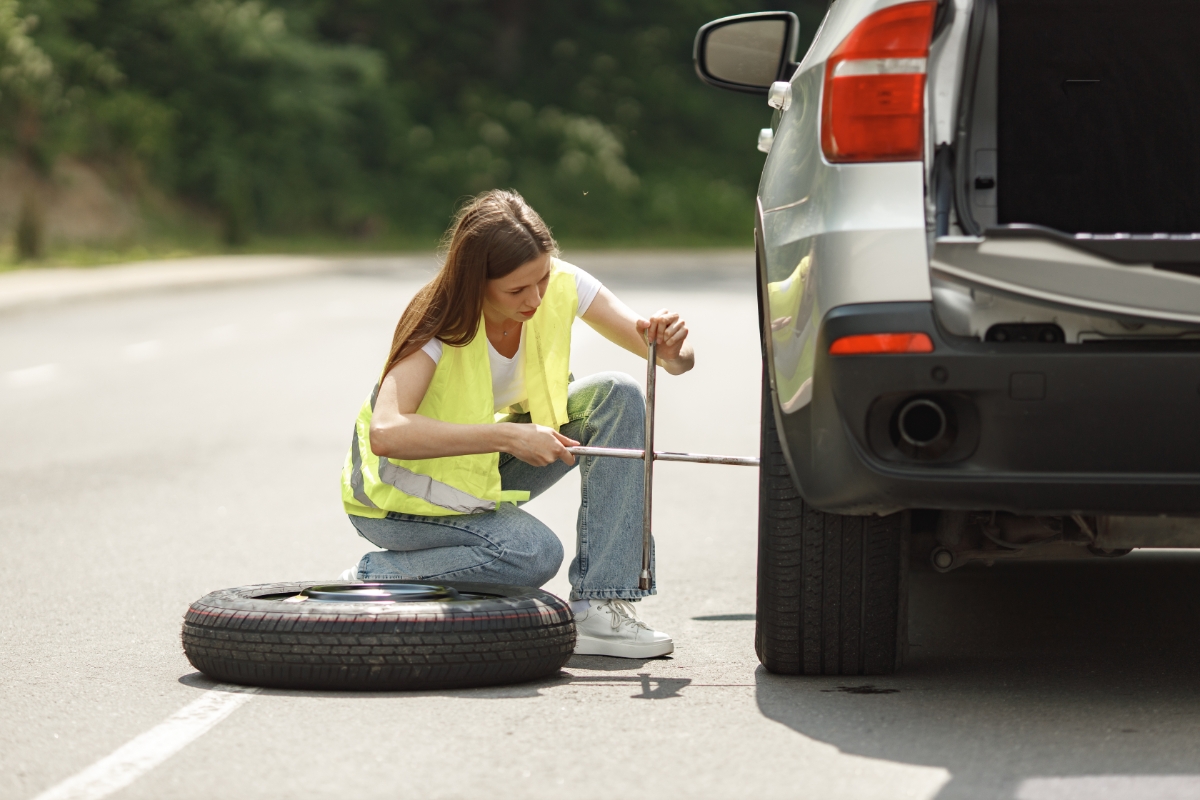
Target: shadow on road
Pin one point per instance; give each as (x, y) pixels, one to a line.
(1023, 678)
(646, 685)
(197, 680)
(608, 664)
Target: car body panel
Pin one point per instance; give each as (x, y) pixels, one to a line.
(833, 233)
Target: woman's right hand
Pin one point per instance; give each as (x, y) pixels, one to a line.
(538, 445)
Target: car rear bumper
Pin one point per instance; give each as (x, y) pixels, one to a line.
(1032, 428)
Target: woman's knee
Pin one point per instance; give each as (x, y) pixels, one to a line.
(620, 389)
(535, 556)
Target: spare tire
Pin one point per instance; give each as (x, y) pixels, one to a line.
(381, 635)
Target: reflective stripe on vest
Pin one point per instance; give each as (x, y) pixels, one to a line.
(422, 486)
(461, 392)
(356, 476)
(442, 495)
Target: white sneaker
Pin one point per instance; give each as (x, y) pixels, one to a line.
(611, 628)
(350, 574)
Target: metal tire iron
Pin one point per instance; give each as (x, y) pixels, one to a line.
(655, 455)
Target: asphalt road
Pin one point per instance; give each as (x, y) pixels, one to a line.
(154, 448)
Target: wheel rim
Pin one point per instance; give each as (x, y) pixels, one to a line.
(380, 592)
(376, 592)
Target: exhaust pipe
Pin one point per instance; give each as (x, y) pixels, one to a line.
(922, 423)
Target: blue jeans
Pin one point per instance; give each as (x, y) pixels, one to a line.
(511, 546)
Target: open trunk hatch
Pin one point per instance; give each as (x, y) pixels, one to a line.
(1078, 156)
(1099, 115)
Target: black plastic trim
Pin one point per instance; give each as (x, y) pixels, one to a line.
(943, 182)
(966, 114)
(943, 18)
(1044, 428)
(764, 337)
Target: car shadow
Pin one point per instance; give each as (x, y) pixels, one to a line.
(1024, 678)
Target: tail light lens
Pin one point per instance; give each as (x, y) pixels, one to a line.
(873, 107)
(879, 343)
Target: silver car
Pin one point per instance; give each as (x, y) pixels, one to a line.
(979, 277)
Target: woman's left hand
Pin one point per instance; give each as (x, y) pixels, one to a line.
(669, 331)
(621, 325)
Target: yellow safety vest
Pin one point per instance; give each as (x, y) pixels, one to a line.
(461, 392)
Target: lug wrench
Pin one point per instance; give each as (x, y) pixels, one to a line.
(614, 452)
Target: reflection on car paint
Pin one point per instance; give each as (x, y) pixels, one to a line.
(793, 343)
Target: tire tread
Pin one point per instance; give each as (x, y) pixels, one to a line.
(829, 585)
(424, 646)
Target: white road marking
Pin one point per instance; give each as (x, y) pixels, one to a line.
(31, 376)
(145, 752)
(142, 351)
(1111, 787)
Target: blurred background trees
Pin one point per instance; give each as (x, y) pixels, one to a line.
(370, 118)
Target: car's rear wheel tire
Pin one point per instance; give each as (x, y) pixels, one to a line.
(832, 589)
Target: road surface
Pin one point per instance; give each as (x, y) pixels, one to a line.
(159, 446)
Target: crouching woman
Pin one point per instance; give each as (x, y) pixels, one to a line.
(474, 414)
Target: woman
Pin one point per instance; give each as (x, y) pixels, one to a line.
(474, 415)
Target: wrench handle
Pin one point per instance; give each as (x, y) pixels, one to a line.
(645, 579)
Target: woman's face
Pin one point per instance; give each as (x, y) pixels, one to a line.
(518, 294)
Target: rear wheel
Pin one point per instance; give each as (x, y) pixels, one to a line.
(831, 588)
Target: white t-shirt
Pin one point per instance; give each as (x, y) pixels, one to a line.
(508, 374)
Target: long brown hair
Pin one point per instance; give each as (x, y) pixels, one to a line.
(491, 235)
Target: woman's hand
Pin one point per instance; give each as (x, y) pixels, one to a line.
(619, 324)
(669, 331)
(538, 445)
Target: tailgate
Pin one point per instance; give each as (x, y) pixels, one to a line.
(1139, 277)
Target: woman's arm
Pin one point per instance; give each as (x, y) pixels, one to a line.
(397, 431)
(618, 323)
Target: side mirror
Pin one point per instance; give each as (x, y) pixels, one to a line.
(747, 52)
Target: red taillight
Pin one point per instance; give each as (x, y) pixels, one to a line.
(876, 343)
(873, 106)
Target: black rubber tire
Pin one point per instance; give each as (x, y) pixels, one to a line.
(832, 589)
(522, 635)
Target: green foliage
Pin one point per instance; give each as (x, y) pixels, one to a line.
(29, 85)
(342, 117)
(30, 244)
